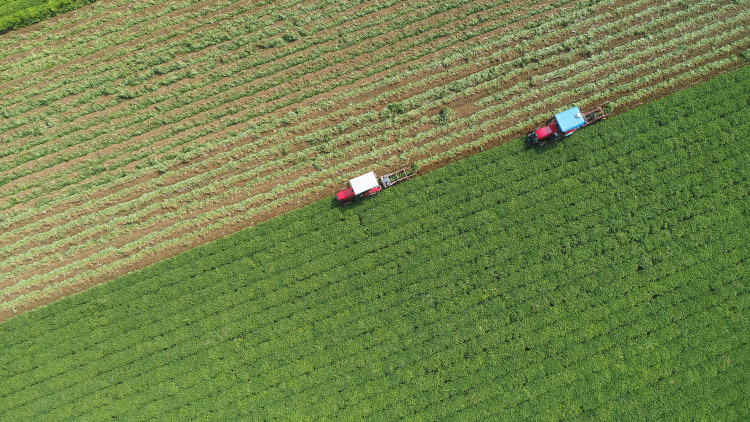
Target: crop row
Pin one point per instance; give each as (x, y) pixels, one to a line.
(304, 254)
(166, 110)
(205, 314)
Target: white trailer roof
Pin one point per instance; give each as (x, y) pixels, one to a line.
(364, 182)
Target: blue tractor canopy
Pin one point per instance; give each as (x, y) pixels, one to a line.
(564, 124)
(570, 119)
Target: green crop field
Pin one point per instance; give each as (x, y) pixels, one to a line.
(131, 130)
(15, 14)
(601, 277)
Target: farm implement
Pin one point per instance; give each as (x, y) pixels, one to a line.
(369, 184)
(564, 124)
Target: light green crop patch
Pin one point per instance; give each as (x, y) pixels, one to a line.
(15, 14)
(601, 277)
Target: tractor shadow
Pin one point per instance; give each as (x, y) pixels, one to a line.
(540, 149)
(335, 204)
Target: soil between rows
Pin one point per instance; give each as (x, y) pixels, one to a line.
(106, 191)
(293, 132)
(465, 107)
(122, 146)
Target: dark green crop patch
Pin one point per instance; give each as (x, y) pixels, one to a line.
(601, 277)
(15, 14)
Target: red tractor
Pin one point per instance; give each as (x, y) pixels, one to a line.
(563, 124)
(368, 184)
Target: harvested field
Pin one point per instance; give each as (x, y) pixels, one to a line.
(133, 130)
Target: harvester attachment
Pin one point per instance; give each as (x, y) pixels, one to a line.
(399, 176)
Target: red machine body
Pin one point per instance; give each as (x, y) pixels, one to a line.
(564, 124)
(546, 131)
(348, 194)
(368, 184)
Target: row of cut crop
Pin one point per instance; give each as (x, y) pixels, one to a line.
(300, 182)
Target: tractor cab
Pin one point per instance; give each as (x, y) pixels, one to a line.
(570, 120)
(359, 187)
